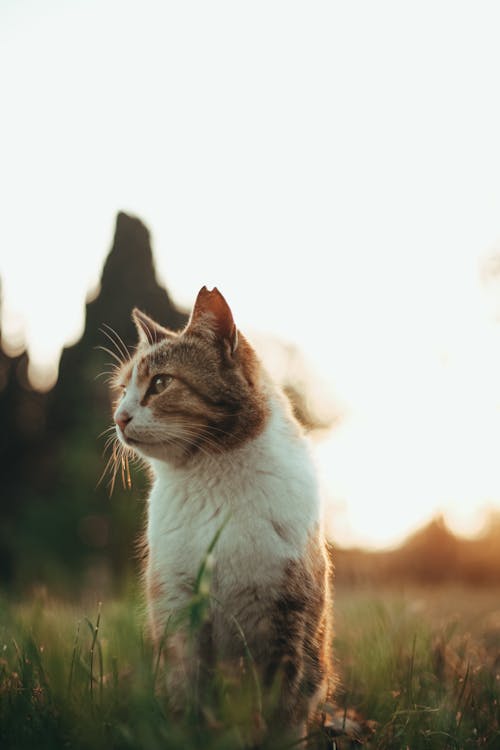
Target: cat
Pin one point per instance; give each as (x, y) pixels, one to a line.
(231, 470)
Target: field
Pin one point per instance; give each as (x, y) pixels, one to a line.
(421, 667)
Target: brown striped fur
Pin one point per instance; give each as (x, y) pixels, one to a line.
(214, 390)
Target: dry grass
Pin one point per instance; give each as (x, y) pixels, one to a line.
(422, 665)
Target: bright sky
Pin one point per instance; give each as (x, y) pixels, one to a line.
(334, 168)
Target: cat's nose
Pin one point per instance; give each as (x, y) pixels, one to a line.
(122, 418)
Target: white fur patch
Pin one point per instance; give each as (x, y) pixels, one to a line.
(266, 494)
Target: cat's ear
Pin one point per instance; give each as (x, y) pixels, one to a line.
(149, 331)
(211, 312)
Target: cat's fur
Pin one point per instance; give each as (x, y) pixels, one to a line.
(228, 457)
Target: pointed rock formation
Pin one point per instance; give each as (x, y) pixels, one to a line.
(128, 280)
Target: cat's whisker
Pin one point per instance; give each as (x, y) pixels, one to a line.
(149, 336)
(122, 467)
(190, 435)
(103, 373)
(116, 368)
(109, 442)
(117, 340)
(199, 435)
(116, 457)
(123, 356)
(189, 444)
(209, 429)
(111, 354)
(204, 434)
(186, 438)
(111, 377)
(125, 468)
(201, 441)
(108, 429)
(113, 373)
(106, 468)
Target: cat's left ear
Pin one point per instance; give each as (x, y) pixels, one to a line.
(212, 312)
(150, 332)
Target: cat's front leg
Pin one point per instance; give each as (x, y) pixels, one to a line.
(190, 666)
(180, 672)
(186, 660)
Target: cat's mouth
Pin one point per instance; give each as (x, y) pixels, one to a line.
(128, 440)
(134, 442)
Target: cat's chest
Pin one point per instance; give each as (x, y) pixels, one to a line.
(238, 548)
(253, 522)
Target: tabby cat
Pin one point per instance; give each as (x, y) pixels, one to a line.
(231, 470)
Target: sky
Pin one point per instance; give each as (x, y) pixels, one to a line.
(334, 168)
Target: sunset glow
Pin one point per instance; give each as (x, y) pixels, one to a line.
(333, 168)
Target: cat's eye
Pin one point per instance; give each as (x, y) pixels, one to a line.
(159, 383)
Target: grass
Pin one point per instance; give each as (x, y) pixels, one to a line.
(422, 666)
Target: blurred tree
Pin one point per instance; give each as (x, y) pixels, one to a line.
(56, 523)
(23, 422)
(430, 555)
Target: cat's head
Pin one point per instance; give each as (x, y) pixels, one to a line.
(196, 392)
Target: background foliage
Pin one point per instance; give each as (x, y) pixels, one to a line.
(59, 526)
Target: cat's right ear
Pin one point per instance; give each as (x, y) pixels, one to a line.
(212, 313)
(150, 332)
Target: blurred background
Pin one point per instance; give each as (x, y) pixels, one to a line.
(334, 170)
